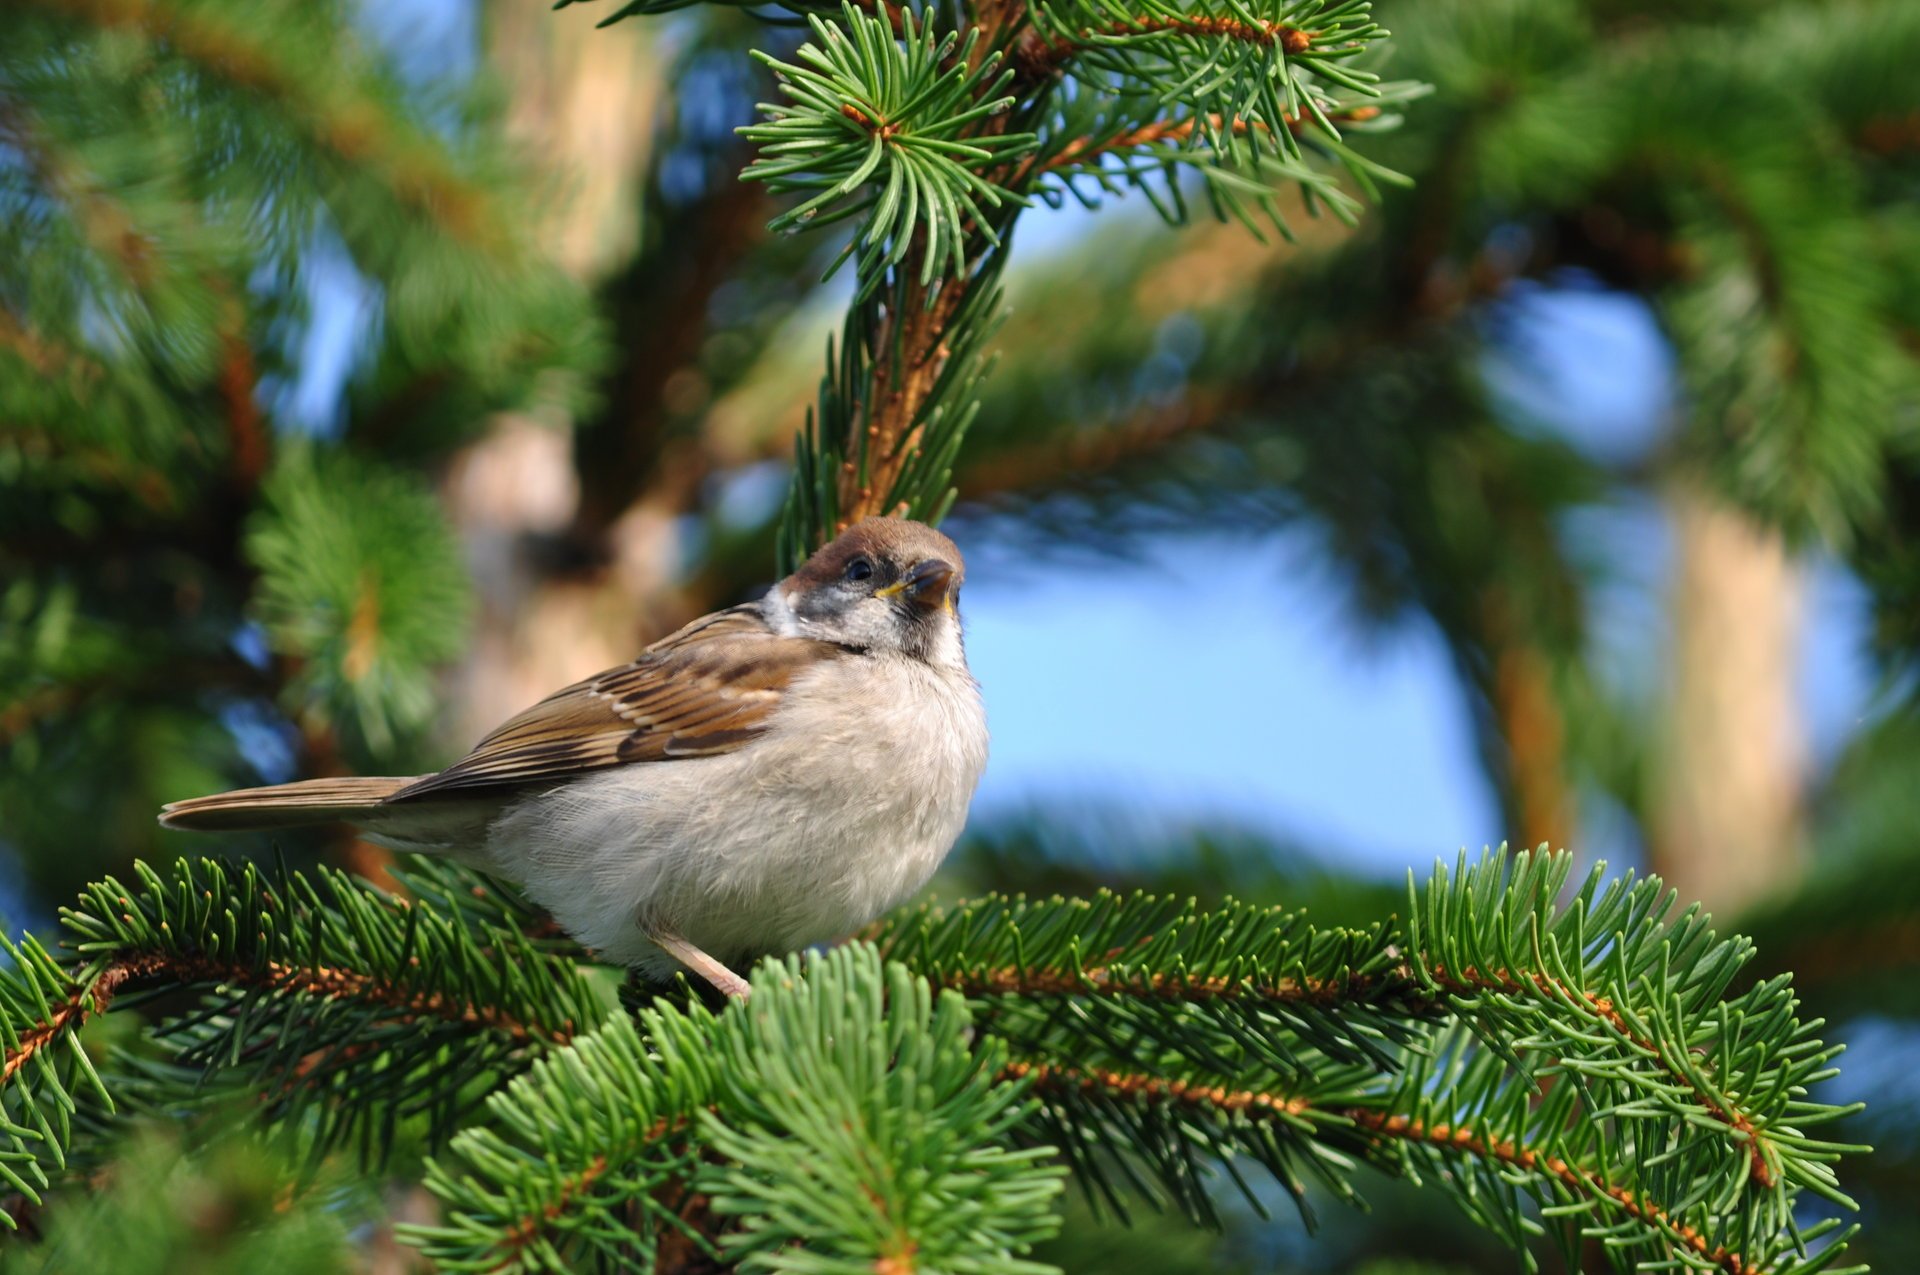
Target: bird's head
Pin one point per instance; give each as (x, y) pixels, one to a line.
(885, 584)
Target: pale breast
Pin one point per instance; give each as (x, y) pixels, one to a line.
(840, 811)
(895, 733)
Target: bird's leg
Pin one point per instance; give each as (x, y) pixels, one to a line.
(722, 978)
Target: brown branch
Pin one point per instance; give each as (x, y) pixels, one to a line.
(246, 427)
(81, 1004)
(1037, 55)
(1100, 981)
(1046, 1077)
(524, 1231)
(1532, 730)
(904, 374)
(1575, 1178)
(1378, 1127)
(1084, 453)
(84, 1001)
(1400, 984)
(334, 984)
(1083, 148)
(1472, 981)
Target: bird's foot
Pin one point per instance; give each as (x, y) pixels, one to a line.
(723, 979)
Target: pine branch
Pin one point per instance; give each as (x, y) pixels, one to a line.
(916, 110)
(1081, 150)
(1565, 1070)
(1559, 1036)
(207, 35)
(325, 996)
(1587, 1058)
(1039, 55)
(841, 1121)
(934, 145)
(894, 406)
(1380, 1131)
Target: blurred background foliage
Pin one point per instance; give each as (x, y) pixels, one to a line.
(368, 372)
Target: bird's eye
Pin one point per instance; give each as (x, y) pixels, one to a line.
(860, 569)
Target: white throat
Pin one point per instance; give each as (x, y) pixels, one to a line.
(779, 612)
(945, 648)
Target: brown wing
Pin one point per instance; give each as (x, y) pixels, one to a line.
(706, 689)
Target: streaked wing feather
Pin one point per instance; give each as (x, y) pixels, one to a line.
(707, 689)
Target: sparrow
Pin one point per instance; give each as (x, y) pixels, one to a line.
(773, 775)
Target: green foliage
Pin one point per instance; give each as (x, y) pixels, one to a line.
(859, 1074)
(843, 1116)
(1779, 318)
(1567, 1066)
(1577, 1069)
(223, 1214)
(910, 103)
(933, 144)
(362, 583)
(345, 1010)
(178, 180)
(1500, 1045)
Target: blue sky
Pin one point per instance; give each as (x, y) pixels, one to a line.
(1218, 679)
(1279, 714)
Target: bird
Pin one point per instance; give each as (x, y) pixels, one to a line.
(771, 776)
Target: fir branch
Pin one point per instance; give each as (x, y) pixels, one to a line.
(1048, 1080)
(1405, 986)
(1603, 1003)
(352, 128)
(323, 994)
(894, 405)
(248, 440)
(1463, 1140)
(1471, 983)
(865, 92)
(1040, 55)
(1177, 132)
(898, 132)
(840, 1120)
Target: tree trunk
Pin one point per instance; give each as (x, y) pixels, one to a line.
(583, 103)
(1729, 769)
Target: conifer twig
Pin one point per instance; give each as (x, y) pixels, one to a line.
(416, 172)
(1039, 55)
(1379, 1126)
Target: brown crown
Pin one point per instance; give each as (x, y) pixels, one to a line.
(896, 542)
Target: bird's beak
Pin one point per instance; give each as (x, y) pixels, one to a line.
(929, 585)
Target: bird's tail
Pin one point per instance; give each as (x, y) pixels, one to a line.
(283, 805)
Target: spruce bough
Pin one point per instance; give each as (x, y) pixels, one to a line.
(1575, 1067)
(1564, 1069)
